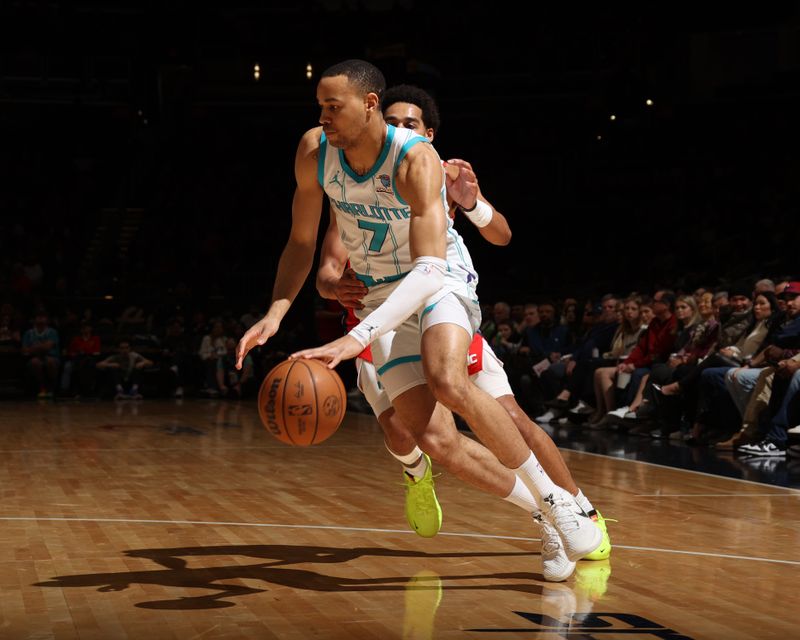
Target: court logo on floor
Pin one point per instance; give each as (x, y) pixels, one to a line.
(591, 625)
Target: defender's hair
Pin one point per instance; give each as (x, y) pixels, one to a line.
(418, 97)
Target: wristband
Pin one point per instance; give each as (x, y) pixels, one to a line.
(480, 215)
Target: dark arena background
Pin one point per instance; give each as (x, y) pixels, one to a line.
(644, 156)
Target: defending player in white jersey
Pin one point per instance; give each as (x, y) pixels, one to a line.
(419, 315)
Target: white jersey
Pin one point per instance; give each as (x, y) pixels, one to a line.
(374, 220)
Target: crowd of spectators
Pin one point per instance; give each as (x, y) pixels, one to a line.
(710, 367)
(716, 366)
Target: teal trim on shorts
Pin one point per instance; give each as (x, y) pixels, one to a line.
(396, 361)
(369, 281)
(426, 311)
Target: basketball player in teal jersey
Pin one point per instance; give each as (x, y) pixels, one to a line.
(386, 186)
(413, 108)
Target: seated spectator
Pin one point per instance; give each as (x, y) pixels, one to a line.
(40, 346)
(232, 382)
(517, 315)
(625, 339)
(646, 310)
(125, 368)
(500, 311)
(653, 347)
(742, 333)
(775, 420)
(705, 307)
(80, 363)
(584, 360)
(530, 318)
(212, 348)
(506, 341)
(782, 346)
(542, 346)
(175, 355)
(706, 402)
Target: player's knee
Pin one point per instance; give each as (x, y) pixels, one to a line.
(452, 393)
(439, 446)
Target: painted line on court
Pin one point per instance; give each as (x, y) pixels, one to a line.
(373, 530)
(717, 495)
(666, 466)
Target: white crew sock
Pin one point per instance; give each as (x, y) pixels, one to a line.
(414, 463)
(535, 478)
(583, 502)
(522, 497)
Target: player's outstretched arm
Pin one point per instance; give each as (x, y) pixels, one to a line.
(334, 281)
(298, 254)
(463, 189)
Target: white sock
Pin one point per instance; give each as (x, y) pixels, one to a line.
(414, 463)
(583, 502)
(522, 497)
(535, 478)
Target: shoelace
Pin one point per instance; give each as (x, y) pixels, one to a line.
(551, 541)
(566, 519)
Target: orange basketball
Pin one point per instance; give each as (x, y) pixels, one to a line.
(302, 402)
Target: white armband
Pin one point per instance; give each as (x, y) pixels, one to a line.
(481, 214)
(425, 279)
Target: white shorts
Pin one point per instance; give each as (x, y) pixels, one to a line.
(491, 378)
(397, 354)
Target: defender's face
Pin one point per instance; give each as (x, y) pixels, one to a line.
(407, 116)
(343, 111)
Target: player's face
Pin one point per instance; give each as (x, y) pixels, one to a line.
(344, 111)
(407, 116)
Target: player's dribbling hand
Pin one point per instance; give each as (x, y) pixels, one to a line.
(350, 290)
(256, 335)
(332, 353)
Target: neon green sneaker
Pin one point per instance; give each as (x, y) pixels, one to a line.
(604, 550)
(423, 512)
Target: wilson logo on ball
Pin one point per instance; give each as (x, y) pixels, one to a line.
(272, 423)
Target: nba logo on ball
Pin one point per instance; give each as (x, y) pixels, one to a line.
(302, 402)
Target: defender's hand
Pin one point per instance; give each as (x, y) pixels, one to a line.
(350, 290)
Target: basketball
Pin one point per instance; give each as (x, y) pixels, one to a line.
(302, 402)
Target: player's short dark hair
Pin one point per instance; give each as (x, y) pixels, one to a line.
(418, 97)
(361, 73)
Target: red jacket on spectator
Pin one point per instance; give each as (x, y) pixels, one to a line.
(655, 345)
(81, 346)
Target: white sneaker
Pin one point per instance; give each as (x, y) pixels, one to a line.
(763, 449)
(619, 413)
(546, 417)
(794, 430)
(581, 408)
(556, 567)
(578, 531)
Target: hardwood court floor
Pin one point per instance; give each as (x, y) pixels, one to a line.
(188, 520)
